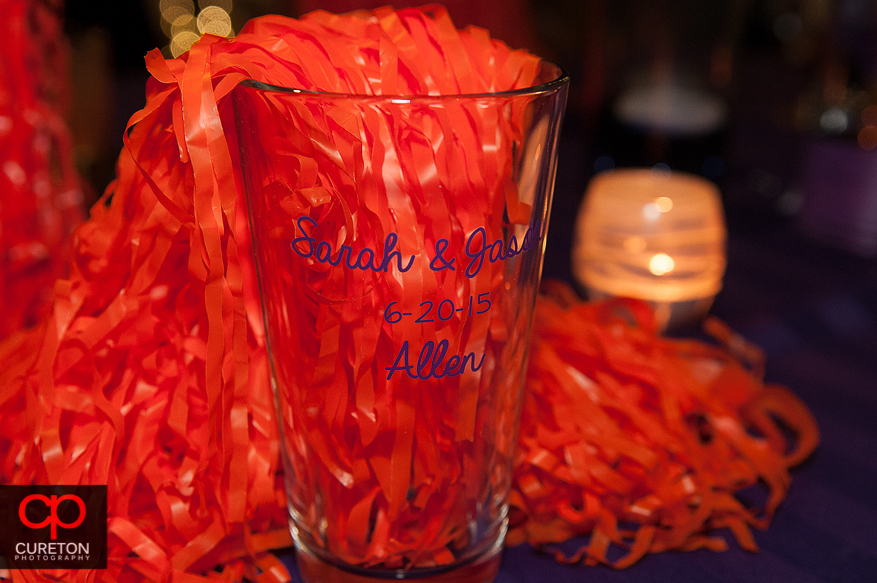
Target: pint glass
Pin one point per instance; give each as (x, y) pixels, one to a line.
(398, 244)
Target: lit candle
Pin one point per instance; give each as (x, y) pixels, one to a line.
(654, 235)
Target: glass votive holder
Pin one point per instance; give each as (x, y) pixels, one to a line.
(653, 235)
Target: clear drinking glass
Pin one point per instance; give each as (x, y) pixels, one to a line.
(398, 245)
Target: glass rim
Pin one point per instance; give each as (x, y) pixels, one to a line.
(547, 87)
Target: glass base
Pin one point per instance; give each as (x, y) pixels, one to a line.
(483, 569)
(670, 316)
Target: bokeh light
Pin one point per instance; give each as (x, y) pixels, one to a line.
(661, 264)
(214, 20)
(868, 137)
(664, 204)
(171, 10)
(651, 212)
(183, 42)
(183, 23)
(184, 26)
(173, 14)
(661, 170)
(834, 120)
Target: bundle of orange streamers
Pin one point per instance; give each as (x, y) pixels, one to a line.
(642, 442)
(40, 197)
(150, 375)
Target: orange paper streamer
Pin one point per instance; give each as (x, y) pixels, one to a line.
(621, 425)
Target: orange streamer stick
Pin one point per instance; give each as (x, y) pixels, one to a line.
(621, 425)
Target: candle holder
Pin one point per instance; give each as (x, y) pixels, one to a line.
(654, 235)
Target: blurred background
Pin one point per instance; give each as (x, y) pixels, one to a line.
(774, 100)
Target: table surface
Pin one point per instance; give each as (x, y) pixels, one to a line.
(813, 309)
